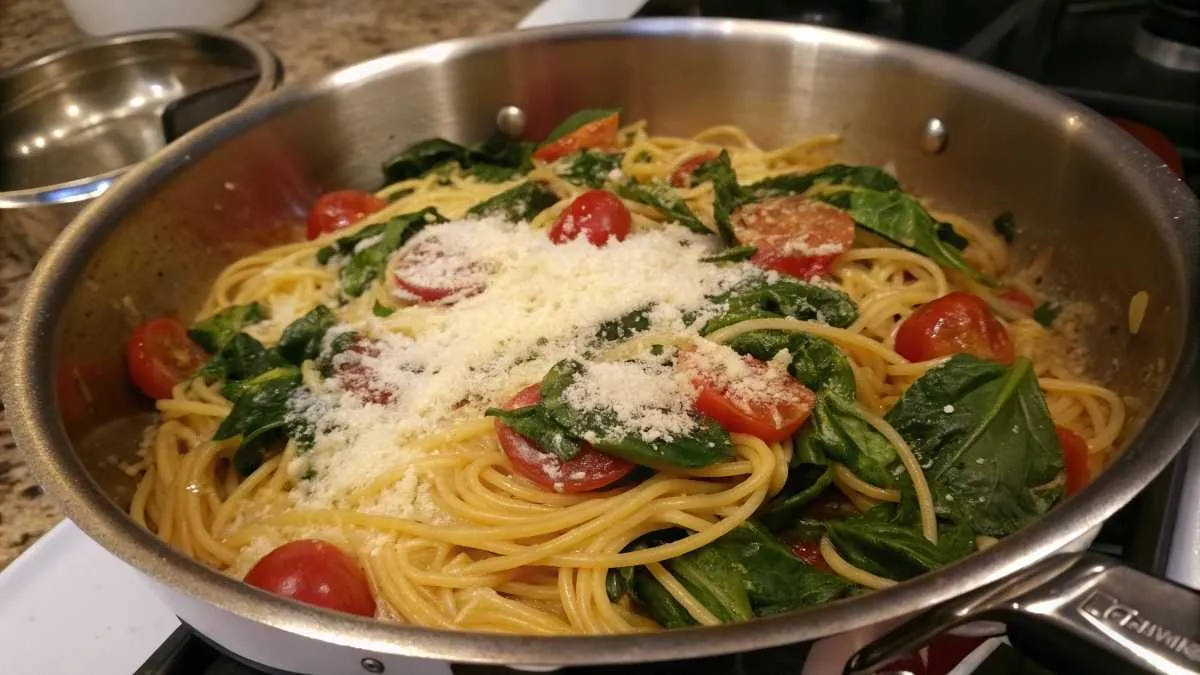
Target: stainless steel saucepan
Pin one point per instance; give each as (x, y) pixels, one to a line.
(973, 138)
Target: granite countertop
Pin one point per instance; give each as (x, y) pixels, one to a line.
(310, 37)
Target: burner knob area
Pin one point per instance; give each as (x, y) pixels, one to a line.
(1170, 35)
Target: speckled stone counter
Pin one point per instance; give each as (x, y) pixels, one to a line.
(310, 37)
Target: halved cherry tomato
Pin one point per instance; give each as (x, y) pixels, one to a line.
(335, 210)
(589, 470)
(810, 553)
(682, 175)
(956, 323)
(431, 271)
(597, 215)
(315, 572)
(1075, 458)
(1155, 141)
(598, 135)
(1017, 297)
(768, 405)
(794, 235)
(161, 355)
(354, 376)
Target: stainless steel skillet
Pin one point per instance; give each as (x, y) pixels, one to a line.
(1119, 222)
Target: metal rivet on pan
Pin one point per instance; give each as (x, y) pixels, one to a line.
(511, 121)
(934, 136)
(372, 665)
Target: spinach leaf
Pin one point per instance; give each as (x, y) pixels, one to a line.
(662, 198)
(1046, 313)
(534, 423)
(897, 551)
(658, 602)
(301, 340)
(776, 581)
(732, 254)
(516, 204)
(579, 119)
(347, 244)
(1005, 226)
(588, 168)
(217, 330)
(901, 219)
(947, 233)
(727, 194)
(368, 263)
(986, 440)
(619, 582)
(340, 343)
(760, 298)
(381, 310)
(420, 157)
(816, 362)
(625, 327)
(259, 412)
(710, 576)
(841, 434)
(243, 358)
(804, 484)
(706, 444)
(500, 158)
(834, 174)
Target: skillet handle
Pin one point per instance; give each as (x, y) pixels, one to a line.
(1077, 612)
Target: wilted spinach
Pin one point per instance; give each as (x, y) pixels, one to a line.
(897, 551)
(662, 198)
(834, 174)
(1005, 225)
(516, 204)
(366, 264)
(706, 444)
(901, 219)
(816, 362)
(534, 423)
(499, 158)
(839, 431)
(625, 327)
(758, 298)
(217, 330)
(259, 413)
(727, 194)
(732, 254)
(420, 157)
(1046, 313)
(708, 573)
(986, 440)
(301, 340)
(805, 483)
(947, 233)
(588, 168)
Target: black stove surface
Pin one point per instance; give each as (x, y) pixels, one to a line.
(1081, 48)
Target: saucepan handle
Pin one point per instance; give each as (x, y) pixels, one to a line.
(1077, 612)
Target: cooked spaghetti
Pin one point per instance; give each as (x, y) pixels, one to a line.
(505, 402)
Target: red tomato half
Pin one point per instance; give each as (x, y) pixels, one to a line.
(598, 135)
(335, 210)
(597, 215)
(956, 323)
(794, 235)
(682, 175)
(315, 572)
(353, 375)
(1017, 297)
(161, 355)
(589, 470)
(1075, 457)
(770, 406)
(1155, 141)
(810, 553)
(431, 271)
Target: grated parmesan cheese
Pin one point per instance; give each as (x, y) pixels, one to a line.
(536, 304)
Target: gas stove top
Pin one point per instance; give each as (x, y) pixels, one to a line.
(66, 590)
